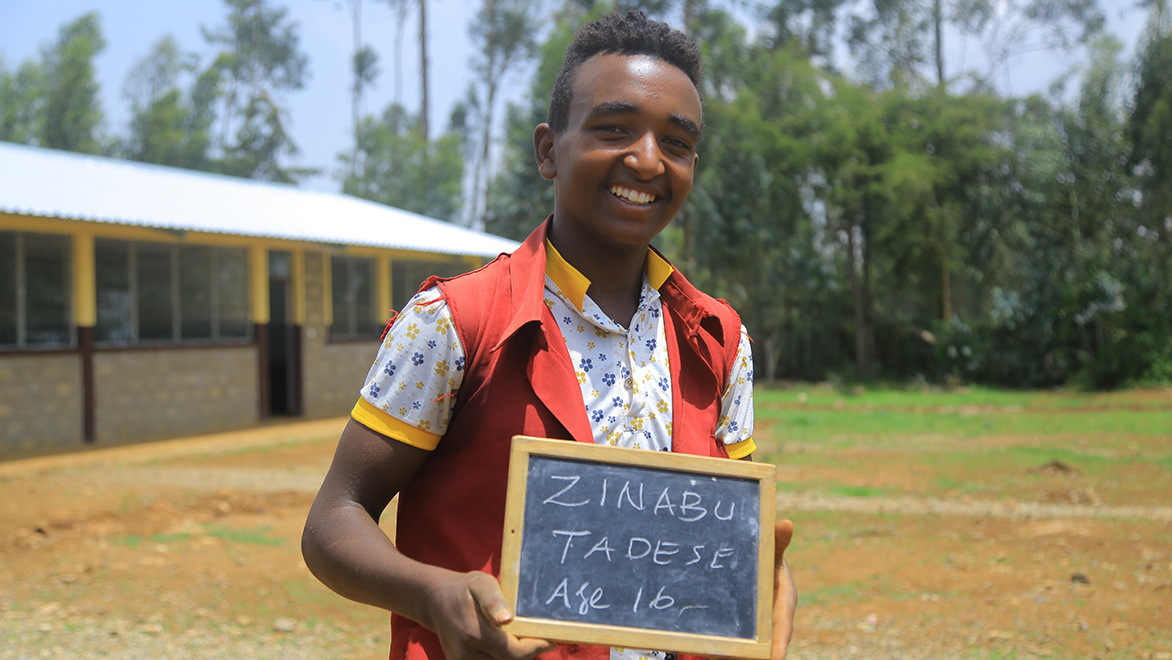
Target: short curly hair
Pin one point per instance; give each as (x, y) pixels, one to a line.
(631, 33)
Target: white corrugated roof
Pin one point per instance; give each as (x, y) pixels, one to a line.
(58, 184)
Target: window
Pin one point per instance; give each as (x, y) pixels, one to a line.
(35, 292)
(355, 313)
(407, 275)
(154, 292)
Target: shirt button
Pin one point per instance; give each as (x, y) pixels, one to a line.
(629, 383)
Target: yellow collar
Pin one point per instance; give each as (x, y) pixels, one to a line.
(574, 284)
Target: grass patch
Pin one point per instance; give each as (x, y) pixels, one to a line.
(128, 541)
(255, 536)
(822, 414)
(834, 594)
(945, 483)
(856, 491)
(170, 538)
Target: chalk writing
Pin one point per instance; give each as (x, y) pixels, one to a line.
(633, 546)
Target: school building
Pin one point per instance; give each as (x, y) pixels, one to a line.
(141, 302)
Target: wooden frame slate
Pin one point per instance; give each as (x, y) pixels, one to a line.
(650, 548)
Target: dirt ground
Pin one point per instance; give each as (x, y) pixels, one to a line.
(190, 549)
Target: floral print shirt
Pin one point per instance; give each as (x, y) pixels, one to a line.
(623, 372)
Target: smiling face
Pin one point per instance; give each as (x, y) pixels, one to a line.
(624, 164)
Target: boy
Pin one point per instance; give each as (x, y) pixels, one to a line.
(583, 333)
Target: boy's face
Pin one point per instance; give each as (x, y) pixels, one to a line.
(625, 161)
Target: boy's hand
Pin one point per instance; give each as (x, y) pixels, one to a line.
(468, 611)
(785, 594)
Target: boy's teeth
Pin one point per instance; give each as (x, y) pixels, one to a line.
(632, 196)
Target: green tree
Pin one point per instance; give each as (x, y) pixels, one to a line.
(1149, 132)
(503, 32)
(809, 23)
(20, 98)
(258, 62)
(165, 126)
(70, 112)
(901, 42)
(400, 9)
(520, 198)
(401, 169)
(762, 249)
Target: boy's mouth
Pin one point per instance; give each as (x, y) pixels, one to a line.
(633, 196)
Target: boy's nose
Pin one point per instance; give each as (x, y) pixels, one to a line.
(645, 158)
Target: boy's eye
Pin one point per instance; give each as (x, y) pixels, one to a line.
(678, 144)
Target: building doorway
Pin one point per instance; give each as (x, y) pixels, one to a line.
(284, 345)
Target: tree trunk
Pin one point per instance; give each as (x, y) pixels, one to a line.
(480, 208)
(858, 269)
(852, 270)
(867, 363)
(945, 285)
(357, 99)
(771, 353)
(938, 19)
(423, 106)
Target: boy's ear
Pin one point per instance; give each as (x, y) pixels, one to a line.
(543, 143)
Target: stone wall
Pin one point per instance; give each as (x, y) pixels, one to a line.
(40, 403)
(144, 394)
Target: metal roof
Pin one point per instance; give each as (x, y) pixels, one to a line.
(58, 184)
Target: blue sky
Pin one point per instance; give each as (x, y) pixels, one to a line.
(320, 112)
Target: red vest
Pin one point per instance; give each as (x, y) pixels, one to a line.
(519, 381)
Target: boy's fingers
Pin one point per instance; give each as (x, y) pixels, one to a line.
(523, 648)
(487, 594)
(783, 533)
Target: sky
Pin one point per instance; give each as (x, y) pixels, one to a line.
(321, 111)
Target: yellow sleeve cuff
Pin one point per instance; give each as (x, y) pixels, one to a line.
(382, 423)
(741, 449)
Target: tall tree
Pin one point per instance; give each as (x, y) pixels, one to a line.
(1149, 129)
(70, 110)
(401, 8)
(890, 44)
(1008, 29)
(812, 24)
(761, 250)
(258, 62)
(521, 198)
(20, 99)
(165, 126)
(899, 42)
(503, 32)
(364, 70)
(401, 169)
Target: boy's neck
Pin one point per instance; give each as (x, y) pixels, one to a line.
(616, 275)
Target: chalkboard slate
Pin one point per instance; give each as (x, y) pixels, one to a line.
(639, 549)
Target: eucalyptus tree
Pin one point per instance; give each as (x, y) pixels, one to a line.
(503, 32)
(401, 169)
(901, 42)
(258, 62)
(1149, 129)
(520, 198)
(401, 8)
(764, 248)
(69, 111)
(20, 99)
(165, 128)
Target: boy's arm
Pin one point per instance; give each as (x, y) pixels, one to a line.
(346, 549)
